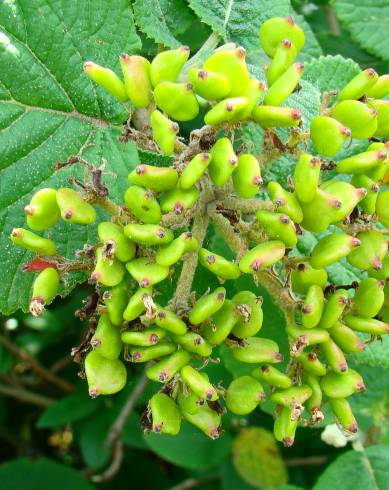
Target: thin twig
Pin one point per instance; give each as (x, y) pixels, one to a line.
(26, 396)
(308, 461)
(61, 364)
(117, 427)
(114, 467)
(40, 370)
(194, 482)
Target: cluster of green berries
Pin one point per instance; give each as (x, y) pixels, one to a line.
(138, 249)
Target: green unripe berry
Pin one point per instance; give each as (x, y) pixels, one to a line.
(367, 204)
(284, 85)
(104, 376)
(314, 402)
(136, 75)
(218, 265)
(31, 241)
(304, 276)
(158, 179)
(382, 108)
(284, 56)
(142, 204)
(223, 321)
(306, 177)
(247, 176)
(382, 273)
(321, 212)
(332, 248)
(274, 30)
(172, 253)
(371, 252)
(382, 207)
(272, 376)
(209, 85)
(171, 322)
(148, 234)
(164, 132)
(166, 66)
(278, 226)
(146, 272)
(179, 200)
(307, 336)
(362, 162)
(378, 173)
(346, 194)
(336, 385)
(311, 363)
(165, 414)
(177, 100)
(285, 427)
(285, 202)
(290, 397)
(205, 419)
(342, 411)
(262, 256)
(143, 338)
(334, 356)
(366, 325)
(346, 338)
(249, 307)
(114, 239)
(164, 370)
(44, 290)
(359, 85)
(357, 116)
(226, 110)
(328, 135)
(253, 93)
(243, 395)
(223, 161)
(274, 116)
(115, 300)
(334, 307)
(207, 306)
(255, 349)
(107, 271)
(107, 79)
(380, 89)
(106, 339)
(43, 210)
(146, 354)
(232, 65)
(312, 307)
(198, 383)
(137, 304)
(369, 297)
(194, 170)
(193, 342)
(73, 207)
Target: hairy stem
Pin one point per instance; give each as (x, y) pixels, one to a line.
(245, 206)
(184, 284)
(235, 242)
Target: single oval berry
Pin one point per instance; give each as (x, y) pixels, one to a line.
(106, 339)
(177, 100)
(167, 65)
(43, 210)
(218, 265)
(107, 271)
(194, 170)
(136, 74)
(255, 349)
(244, 394)
(207, 306)
(74, 208)
(107, 79)
(328, 135)
(209, 85)
(104, 376)
(284, 85)
(44, 290)
(146, 272)
(223, 161)
(164, 132)
(143, 205)
(274, 30)
(165, 414)
(247, 176)
(359, 85)
(198, 383)
(164, 370)
(357, 116)
(262, 256)
(158, 179)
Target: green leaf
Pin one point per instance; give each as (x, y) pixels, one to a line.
(239, 21)
(190, 448)
(68, 409)
(368, 23)
(368, 469)
(376, 354)
(40, 474)
(161, 20)
(257, 459)
(330, 72)
(50, 110)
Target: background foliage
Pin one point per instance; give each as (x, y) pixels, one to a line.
(52, 435)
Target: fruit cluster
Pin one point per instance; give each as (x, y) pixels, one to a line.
(213, 180)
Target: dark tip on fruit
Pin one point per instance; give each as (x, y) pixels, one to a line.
(312, 356)
(265, 368)
(214, 433)
(241, 52)
(68, 214)
(360, 387)
(306, 309)
(88, 65)
(17, 232)
(284, 218)
(256, 265)
(211, 259)
(315, 161)
(296, 114)
(125, 57)
(198, 340)
(179, 208)
(279, 201)
(290, 20)
(154, 338)
(361, 192)
(162, 315)
(163, 375)
(189, 86)
(93, 392)
(301, 267)
(343, 300)
(353, 428)
(257, 180)
(375, 187)
(376, 263)
(136, 356)
(203, 74)
(229, 106)
(95, 342)
(261, 396)
(209, 394)
(95, 276)
(30, 210)
(189, 235)
(220, 296)
(175, 127)
(106, 295)
(370, 72)
(288, 441)
(286, 43)
(204, 157)
(382, 155)
(143, 283)
(343, 367)
(278, 356)
(356, 242)
(157, 428)
(185, 48)
(161, 233)
(299, 67)
(234, 160)
(140, 169)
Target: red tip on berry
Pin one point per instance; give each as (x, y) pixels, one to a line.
(286, 43)
(179, 208)
(143, 283)
(211, 259)
(140, 169)
(288, 441)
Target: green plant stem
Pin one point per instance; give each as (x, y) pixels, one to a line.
(197, 60)
(26, 396)
(184, 284)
